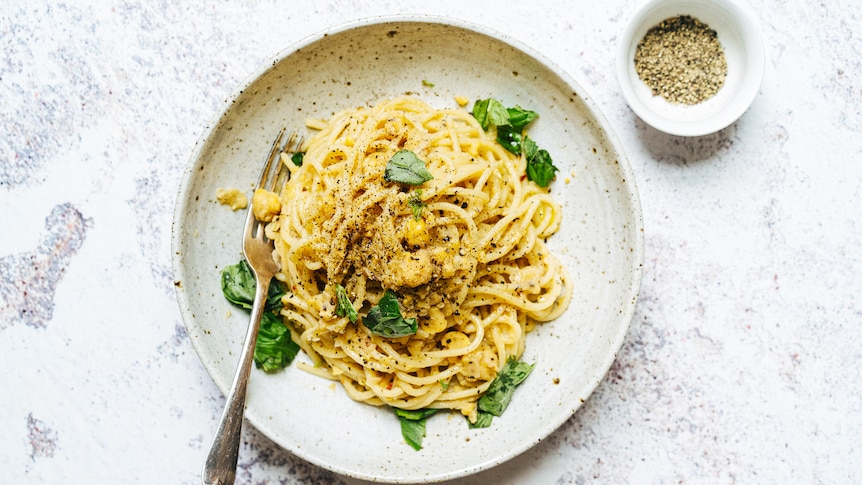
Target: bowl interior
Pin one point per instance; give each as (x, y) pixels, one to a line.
(740, 38)
(359, 64)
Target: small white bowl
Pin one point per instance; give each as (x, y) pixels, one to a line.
(740, 37)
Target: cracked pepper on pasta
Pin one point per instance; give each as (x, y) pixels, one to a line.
(464, 252)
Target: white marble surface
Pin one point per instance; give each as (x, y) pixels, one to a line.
(743, 361)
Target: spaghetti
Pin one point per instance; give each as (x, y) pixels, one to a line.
(464, 252)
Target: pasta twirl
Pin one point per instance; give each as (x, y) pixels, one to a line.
(464, 252)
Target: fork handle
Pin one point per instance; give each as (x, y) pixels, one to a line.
(220, 466)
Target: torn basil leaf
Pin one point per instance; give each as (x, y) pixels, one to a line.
(480, 112)
(413, 425)
(540, 168)
(239, 286)
(490, 112)
(414, 414)
(385, 319)
(499, 393)
(519, 118)
(297, 158)
(510, 124)
(509, 138)
(274, 348)
(530, 148)
(483, 420)
(406, 168)
(497, 114)
(344, 308)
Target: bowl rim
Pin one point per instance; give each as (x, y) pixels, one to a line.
(744, 20)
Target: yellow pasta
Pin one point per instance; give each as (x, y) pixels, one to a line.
(464, 252)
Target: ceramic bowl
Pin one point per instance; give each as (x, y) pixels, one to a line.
(435, 59)
(739, 34)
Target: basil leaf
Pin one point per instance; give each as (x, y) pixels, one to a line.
(238, 286)
(413, 425)
(385, 320)
(344, 307)
(510, 123)
(414, 414)
(499, 393)
(274, 294)
(483, 420)
(509, 138)
(480, 112)
(490, 112)
(530, 148)
(274, 348)
(413, 432)
(297, 158)
(406, 168)
(497, 114)
(540, 168)
(519, 118)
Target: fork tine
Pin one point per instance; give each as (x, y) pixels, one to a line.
(279, 163)
(282, 174)
(273, 154)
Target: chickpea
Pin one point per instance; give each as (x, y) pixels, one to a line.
(416, 233)
(265, 205)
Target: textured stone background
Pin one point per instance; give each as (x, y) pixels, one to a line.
(743, 361)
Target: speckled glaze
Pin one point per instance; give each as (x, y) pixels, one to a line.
(601, 241)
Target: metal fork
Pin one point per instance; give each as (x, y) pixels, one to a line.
(220, 466)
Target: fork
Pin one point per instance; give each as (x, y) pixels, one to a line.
(220, 466)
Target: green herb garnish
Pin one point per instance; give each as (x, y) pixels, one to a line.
(238, 286)
(519, 118)
(509, 138)
(499, 393)
(483, 420)
(427, 83)
(297, 158)
(480, 112)
(344, 307)
(385, 320)
(415, 203)
(413, 425)
(490, 112)
(274, 348)
(510, 124)
(540, 167)
(406, 168)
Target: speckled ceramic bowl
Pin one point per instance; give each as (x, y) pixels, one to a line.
(739, 34)
(601, 240)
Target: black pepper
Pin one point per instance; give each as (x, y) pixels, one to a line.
(682, 60)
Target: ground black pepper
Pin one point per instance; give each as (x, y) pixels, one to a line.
(681, 60)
